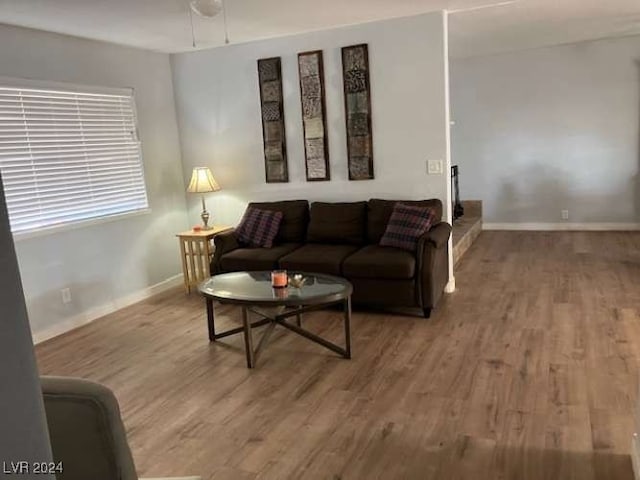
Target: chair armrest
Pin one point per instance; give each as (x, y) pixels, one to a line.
(85, 429)
(224, 242)
(439, 234)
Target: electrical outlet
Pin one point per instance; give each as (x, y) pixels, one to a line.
(434, 167)
(66, 295)
(565, 214)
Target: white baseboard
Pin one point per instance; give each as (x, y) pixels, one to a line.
(102, 310)
(450, 287)
(602, 227)
(635, 456)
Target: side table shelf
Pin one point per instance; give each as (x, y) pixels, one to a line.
(196, 250)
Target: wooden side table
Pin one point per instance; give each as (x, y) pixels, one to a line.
(196, 250)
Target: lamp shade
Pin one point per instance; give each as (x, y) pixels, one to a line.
(202, 181)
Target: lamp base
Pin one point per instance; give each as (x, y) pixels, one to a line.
(205, 219)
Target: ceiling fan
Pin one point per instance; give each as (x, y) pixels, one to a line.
(208, 9)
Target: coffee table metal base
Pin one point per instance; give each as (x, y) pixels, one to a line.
(280, 319)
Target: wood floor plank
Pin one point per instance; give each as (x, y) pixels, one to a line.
(528, 371)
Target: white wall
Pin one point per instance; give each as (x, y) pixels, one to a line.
(23, 426)
(107, 263)
(218, 108)
(550, 129)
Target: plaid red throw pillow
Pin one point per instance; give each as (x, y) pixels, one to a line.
(406, 225)
(258, 227)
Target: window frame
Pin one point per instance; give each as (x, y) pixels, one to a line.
(26, 83)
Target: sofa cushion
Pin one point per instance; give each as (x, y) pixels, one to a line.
(338, 223)
(379, 212)
(259, 228)
(318, 258)
(255, 258)
(406, 225)
(295, 219)
(374, 261)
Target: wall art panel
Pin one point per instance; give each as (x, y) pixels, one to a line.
(357, 103)
(273, 132)
(314, 123)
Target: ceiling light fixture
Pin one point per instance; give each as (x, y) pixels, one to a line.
(208, 9)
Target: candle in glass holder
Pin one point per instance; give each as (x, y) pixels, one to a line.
(280, 293)
(279, 278)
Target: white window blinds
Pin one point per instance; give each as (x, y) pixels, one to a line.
(68, 156)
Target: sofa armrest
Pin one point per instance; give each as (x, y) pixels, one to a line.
(433, 264)
(439, 234)
(224, 242)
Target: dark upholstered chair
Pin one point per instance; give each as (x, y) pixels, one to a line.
(86, 431)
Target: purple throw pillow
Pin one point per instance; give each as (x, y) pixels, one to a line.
(406, 225)
(259, 228)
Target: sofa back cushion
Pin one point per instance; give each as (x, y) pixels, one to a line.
(379, 212)
(295, 219)
(340, 223)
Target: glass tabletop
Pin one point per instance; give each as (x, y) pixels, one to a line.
(255, 288)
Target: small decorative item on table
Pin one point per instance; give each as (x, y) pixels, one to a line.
(279, 279)
(280, 293)
(297, 281)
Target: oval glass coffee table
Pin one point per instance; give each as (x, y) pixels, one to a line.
(254, 293)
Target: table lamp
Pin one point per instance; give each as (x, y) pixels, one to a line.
(202, 181)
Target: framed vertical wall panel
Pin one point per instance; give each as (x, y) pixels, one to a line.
(357, 104)
(273, 133)
(314, 115)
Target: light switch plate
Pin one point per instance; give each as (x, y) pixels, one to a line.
(434, 167)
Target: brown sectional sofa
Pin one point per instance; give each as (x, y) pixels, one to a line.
(343, 239)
